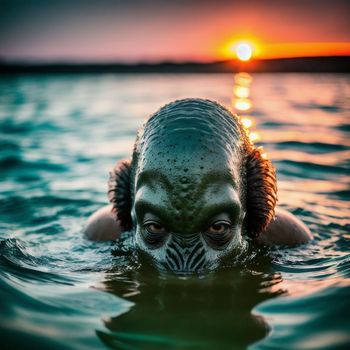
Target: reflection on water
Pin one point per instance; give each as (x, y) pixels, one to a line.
(191, 312)
(59, 137)
(241, 102)
(247, 121)
(241, 91)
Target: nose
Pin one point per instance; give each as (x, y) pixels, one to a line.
(184, 256)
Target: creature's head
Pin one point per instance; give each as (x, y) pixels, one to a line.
(196, 188)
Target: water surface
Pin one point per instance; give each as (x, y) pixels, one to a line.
(59, 137)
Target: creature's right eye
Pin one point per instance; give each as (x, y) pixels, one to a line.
(154, 233)
(155, 228)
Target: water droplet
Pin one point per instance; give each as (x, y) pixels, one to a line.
(184, 179)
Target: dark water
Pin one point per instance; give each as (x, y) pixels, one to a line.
(59, 137)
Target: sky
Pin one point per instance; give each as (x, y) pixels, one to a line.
(160, 30)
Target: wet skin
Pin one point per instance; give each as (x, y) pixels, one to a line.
(189, 192)
(205, 227)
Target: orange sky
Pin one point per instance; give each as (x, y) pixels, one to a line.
(285, 50)
(158, 30)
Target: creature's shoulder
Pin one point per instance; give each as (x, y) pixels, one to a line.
(285, 229)
(102, 225)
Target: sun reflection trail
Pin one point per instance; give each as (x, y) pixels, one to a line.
(241, 91)
(241, 104)
(247, 122)
(243, 79)
(253, 136)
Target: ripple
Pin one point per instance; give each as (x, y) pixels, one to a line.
(15, 259)
(343, 127)
(8, 126)
(19, 164)
(297, 314)
(38, 210)
(309, 170)
(327, 108)
(314, 147)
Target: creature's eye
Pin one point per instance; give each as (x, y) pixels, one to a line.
(154, 233)
(154, 227)
(219, 227)
(218, 234)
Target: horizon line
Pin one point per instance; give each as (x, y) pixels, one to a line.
(73, 62)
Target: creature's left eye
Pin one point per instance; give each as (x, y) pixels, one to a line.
(218, 234)
(218, 227)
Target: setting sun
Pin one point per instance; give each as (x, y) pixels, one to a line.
(244, 51)
(241, 48)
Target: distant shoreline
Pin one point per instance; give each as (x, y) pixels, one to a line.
(333, 64)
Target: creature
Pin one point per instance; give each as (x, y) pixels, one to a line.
(195, 191)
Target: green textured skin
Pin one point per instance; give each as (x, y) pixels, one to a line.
(190, 163)
(184, 142)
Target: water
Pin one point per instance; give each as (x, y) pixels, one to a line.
(59, 137)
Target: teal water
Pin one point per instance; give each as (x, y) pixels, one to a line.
(59, 136)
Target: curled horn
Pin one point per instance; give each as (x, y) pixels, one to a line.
(261, 193)
(119, 192)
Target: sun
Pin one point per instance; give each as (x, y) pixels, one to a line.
(243, 51)
(241, 48)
